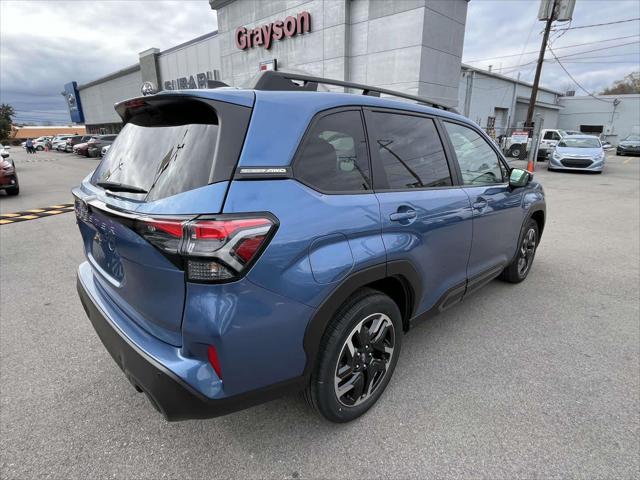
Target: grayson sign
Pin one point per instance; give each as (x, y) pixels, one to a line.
(265, 34)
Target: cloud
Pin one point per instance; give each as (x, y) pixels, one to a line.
(44, 45)
(496, 28)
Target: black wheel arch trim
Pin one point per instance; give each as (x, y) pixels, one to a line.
(403, 270)
(534, 208)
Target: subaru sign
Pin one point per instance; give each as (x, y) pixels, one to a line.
(72, 97)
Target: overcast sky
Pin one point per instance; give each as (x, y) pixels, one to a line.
(45, 44)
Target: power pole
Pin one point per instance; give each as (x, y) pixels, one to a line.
(536, 80)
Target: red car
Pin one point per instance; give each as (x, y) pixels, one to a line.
(8, 176)
(82, 149)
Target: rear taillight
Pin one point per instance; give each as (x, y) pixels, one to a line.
(215, 250)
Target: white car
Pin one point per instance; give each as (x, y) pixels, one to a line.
(38, 143)
(60, 142)
(4, 151)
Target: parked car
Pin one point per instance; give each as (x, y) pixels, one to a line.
(549, 138)
(104, 150)
(41, 143)
(8, 175)
(38, 143)
(82, 148)
(630, 145)
(96, 144)
(75, 140)
(59, 142)
(578, 152)
(244, 243)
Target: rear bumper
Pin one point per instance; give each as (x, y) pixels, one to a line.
(168, 393)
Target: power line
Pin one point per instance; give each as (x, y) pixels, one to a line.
(635, 54)
(599, 49)
(573, 79)
(597, 61)
(597, 24)
(511, 68)
(559, 48)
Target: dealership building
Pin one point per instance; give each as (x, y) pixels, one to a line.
(412, 46)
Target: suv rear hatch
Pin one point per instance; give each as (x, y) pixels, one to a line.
(171, 163)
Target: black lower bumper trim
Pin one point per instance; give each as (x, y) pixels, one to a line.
(170, 395)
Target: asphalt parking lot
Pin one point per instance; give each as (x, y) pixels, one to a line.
(536, 380)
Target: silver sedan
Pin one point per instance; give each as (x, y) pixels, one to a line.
(578, 152)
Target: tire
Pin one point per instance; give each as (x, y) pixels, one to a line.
(39, 148)
(516, 271)
(368, 309)
(13, 191)
(514, 151)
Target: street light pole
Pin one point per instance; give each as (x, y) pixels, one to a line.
(536, 80)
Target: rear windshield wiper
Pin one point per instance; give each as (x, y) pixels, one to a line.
(120, 187)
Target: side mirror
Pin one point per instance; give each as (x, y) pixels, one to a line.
(519, 178)
(5, 155)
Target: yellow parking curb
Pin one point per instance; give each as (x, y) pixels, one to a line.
(32, 214)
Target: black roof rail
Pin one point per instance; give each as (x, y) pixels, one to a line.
(274, 80)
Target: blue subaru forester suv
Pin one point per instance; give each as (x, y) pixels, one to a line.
(245, 243)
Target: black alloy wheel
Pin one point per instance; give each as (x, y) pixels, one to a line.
(357, 356)
(364, 359)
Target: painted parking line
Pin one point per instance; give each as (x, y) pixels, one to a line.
(34, 213)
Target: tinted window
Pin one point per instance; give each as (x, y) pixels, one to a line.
(551, 136)
(410, 150)
(479, 163)
(161, 160)
(334, 157)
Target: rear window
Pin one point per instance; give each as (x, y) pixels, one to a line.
(171, 148)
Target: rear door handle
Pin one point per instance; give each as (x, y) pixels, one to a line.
(480, 204)
(406, 215)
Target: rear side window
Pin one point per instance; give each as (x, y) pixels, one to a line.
(334, 156)
(168, 148)
(411, 152)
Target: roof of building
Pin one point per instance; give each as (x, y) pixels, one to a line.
(464, 66)
(190, 42)
(111, 76)
(622, 96)
(33, 131)
(539, 103)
